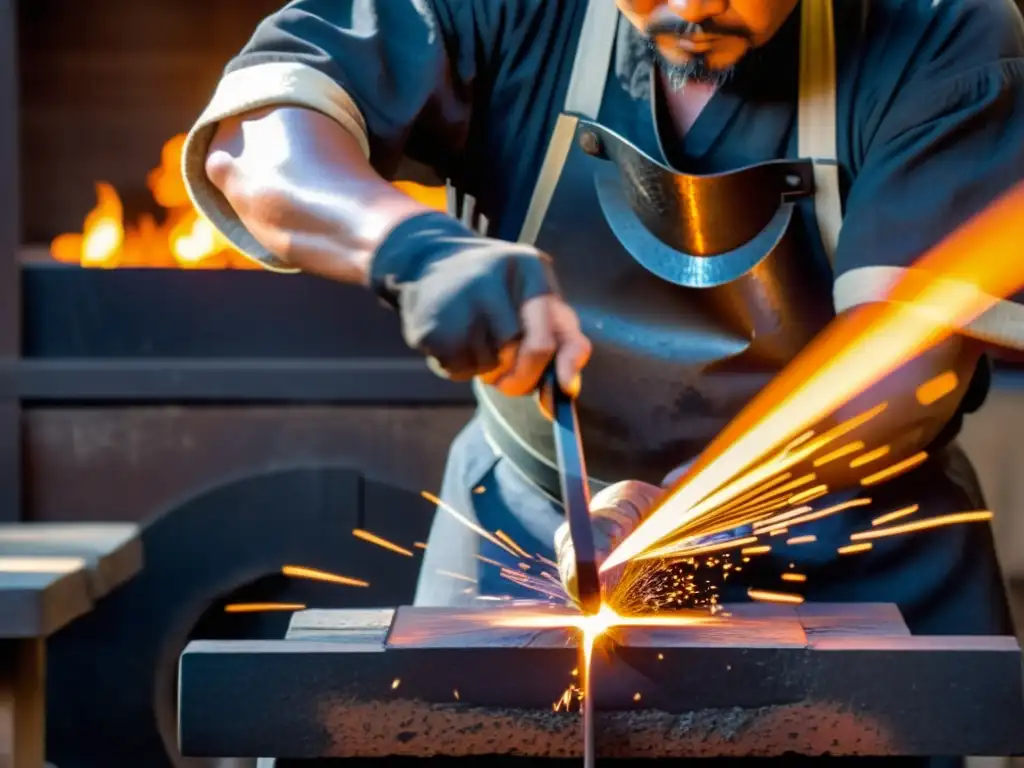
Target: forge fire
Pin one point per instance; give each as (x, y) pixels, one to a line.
(180, 238)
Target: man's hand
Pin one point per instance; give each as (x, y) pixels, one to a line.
(476, 306)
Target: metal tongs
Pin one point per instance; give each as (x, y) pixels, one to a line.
(572, 475)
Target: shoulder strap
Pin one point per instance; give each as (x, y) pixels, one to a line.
(817, 116)
(593, 59)
(583, 98)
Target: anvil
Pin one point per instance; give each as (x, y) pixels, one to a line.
(770, 680)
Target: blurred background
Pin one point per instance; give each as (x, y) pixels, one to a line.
(243, 420)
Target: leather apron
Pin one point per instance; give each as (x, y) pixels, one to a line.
(694, 290)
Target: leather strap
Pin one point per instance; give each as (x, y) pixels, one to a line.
(817, 116)
(593, 59)
(583, 99)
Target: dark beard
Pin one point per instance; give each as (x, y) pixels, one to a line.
(696, 69)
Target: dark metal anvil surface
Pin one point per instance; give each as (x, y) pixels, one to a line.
(771, 680)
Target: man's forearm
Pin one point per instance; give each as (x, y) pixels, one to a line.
(302, 186)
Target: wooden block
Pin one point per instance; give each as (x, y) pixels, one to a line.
(768, 681)
(39, 595)
(112, 551)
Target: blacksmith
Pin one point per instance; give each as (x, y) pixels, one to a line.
(845, 141)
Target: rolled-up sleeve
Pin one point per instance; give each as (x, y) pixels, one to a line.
(948, 145)
(397, 74)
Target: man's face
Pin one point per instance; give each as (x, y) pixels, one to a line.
(705, 38)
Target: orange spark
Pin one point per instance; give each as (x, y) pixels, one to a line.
(783, 518)
(895, 469)
(566, 699)
(924, 525)
(935, 389)
(794, 577)
(299, 572)
(801, 540)
(508, 540)
(522, 580)
(762, 497)
(714, 502)
(888, 518)
(420, 544)
(798, 441)
(852, 549)
(766, 596)
(446, 507)
(778, 532)
(373, 538)
(262, 607)
(749, 511)
(810, 494)
(756, 550)
(814, 515)
(395, 683)
(680, 551)
(758, 493)
(867, 458)
(839, 453)
(488, 560)
(459, 576)
(947, 288)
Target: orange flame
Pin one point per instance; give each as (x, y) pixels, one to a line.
(184, 239)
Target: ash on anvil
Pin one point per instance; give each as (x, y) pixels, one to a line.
(737, 215)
